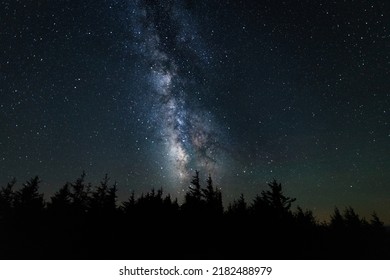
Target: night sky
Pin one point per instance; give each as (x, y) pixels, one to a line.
(148, 91)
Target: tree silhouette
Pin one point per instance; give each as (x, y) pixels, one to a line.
(213, 198)
(172, 206)
(61, 201)
(305, 232)
(378, 237)
(84, 222)
(272, 206)
(28, 200)
(193, 200)
(195, 191)
(80, 195)
(209, 192)
(336, 220)
(259, 207)
(26, 227)
(103, 199)
(305, 218)
(352, 220)
(238, 207)
(128, 207)
(7, 196)
(275, 198)
(376, 223)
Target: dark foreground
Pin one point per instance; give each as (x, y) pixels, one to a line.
(84, 223)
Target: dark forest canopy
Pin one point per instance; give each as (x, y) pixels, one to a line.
(84, 221)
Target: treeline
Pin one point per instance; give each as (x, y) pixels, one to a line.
(84, 222)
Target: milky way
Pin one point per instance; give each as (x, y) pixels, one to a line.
(148, 91)
(170, 48)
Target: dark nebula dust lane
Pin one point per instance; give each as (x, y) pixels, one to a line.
(247, 91)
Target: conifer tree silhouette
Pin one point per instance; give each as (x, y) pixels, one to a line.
(80, 194)
(238, 207)
(195, 189)
(7, 196)
(352, 220)
(271, 215)
(103, 199)
(272, 206)
(376, 223)
(28, 200)
(213, 198)
(378, 238)
(61, 201)
(305, 218)
(62, 220)
(337, 220)
(239, 225)
(128, 207)
(170, 206)
(193, 200)
(275, 198)
(209, 191)
(259, 207)
(84, 223)
(304, 233)
(27, 223)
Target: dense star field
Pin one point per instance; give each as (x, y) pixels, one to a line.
(247, 91)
